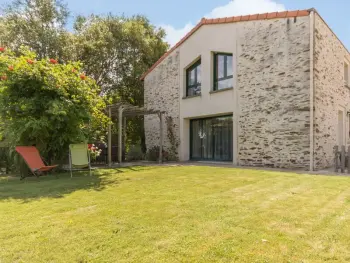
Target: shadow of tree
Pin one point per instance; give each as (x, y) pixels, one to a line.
(56, 187)
(51, 186)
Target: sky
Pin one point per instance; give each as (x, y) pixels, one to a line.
(177, 17)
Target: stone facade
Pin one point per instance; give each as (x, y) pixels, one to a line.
(271, 99)
(274, 93)
(162, 89)
(330, 93)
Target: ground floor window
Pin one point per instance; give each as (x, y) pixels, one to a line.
(211, 139)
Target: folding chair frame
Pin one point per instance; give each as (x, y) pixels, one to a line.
(77, 169)
(38, 171)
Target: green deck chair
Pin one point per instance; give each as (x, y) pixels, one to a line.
(79, 158)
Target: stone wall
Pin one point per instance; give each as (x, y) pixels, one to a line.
(274, 82)
(330, 93)
(162, 90)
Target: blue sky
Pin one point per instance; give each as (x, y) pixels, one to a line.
(179, 16)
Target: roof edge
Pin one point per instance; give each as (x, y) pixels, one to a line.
(324, 21)
(232, 19)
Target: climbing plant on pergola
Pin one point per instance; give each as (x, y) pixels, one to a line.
(120, 111)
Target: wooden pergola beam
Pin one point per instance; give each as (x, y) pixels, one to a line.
(120, 111)
(160, 137)
(110, 138)
(120, 134)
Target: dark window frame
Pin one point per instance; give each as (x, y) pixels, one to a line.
(226, 76)
(213, 141)
(194, 66)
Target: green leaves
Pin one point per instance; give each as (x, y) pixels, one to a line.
(46, 103)
(115, 52)
(39, 24)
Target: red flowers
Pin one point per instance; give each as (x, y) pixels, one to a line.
(3, 77)
(30, 61)
(10, 68)
(53, 61)
(2, 49)
(82, 76)
(92, 147)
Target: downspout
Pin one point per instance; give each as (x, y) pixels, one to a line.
(236, 105)
(312, 47)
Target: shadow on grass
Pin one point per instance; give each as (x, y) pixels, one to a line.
(57, 187)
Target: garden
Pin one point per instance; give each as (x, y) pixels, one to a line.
(55, 83)
(176, 214)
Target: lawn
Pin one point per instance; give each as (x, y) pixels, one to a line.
(176, 214)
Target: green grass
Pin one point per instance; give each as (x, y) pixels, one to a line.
(176, 214)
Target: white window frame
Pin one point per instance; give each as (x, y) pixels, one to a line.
(347, 114)
(341, 141)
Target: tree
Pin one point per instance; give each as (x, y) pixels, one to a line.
(47, 104)
(116, 51)
(38, 24)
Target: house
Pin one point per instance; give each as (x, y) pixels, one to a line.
(259, 90)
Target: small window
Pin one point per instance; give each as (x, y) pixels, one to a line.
(223, 71)
(346, 74)
(193, 79)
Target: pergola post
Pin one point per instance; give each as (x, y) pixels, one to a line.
(124, 137)
(110, 137)
(160, 137)
(121, 111)
(120, 134)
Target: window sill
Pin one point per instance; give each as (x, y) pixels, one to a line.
(192, 96)
(220, 90)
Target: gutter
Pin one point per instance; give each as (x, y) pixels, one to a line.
(312, 97)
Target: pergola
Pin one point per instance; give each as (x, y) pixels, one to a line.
(121, 111)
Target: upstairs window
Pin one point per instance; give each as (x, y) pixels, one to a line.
(346, 74)
(223, 71)
(193, 79)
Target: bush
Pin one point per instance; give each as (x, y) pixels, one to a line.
(5, 159)
(153, 154)
(47, 104)
(135, 153)
(12, 162)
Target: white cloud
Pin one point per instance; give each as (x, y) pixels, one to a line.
(233, 8)
(174, 35)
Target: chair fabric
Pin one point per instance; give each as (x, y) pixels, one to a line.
(33, 159)
(79, 155)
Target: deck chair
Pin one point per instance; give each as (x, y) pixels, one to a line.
(79, 158)
(31, 156)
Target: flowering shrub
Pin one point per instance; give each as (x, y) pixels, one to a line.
(46, 103)
(94, 151)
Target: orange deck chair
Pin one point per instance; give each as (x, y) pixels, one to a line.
(32, 158)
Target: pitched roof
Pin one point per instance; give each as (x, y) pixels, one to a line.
(232, 19)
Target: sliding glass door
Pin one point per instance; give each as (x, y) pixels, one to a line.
(211, 139)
